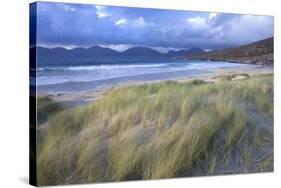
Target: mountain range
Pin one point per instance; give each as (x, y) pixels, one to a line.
(259, 52)
(98, 51)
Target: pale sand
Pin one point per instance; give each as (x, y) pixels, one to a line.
(76, 99)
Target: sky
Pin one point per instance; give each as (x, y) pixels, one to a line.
(84, 25)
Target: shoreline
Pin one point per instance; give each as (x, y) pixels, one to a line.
(81, 98)
(265, 60)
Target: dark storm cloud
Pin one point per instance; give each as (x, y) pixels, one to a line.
(62, 24)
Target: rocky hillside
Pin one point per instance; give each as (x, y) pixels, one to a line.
(260, 52)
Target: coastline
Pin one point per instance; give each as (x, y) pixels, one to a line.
(80, 98)
(266, 59)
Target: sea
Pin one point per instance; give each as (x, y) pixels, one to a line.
(76, 77)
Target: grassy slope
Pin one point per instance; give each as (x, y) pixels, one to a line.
(45, 108)
(260, 52)
(162, 130)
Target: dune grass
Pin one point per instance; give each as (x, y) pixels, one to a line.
(45, 108)
(162, 130)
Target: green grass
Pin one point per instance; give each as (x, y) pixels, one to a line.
(45, 108)
(231, 76)
(162, 130)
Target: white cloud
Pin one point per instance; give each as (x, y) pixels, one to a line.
(212, 15)
(137, 23)
(140, 22)
(202, 22)
(237, 30)
(118, 47)
(101, 15)
(249, 28)
(121, 22)
(197, 22)
(165, 49)
(100, 7)
(68, 47)
(68, 8)
(101, 11)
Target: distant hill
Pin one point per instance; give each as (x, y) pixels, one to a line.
(141, 51)
(96, 53)
(260, 52)
(100, 51)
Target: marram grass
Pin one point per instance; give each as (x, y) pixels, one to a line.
(162, 130)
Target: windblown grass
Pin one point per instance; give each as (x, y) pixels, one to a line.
(162, 130)
(46, 107)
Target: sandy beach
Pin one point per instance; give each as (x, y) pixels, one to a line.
(75, 99)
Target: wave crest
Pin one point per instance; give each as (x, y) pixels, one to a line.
(100, 67)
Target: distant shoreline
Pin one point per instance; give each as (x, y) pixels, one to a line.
(259, 60)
